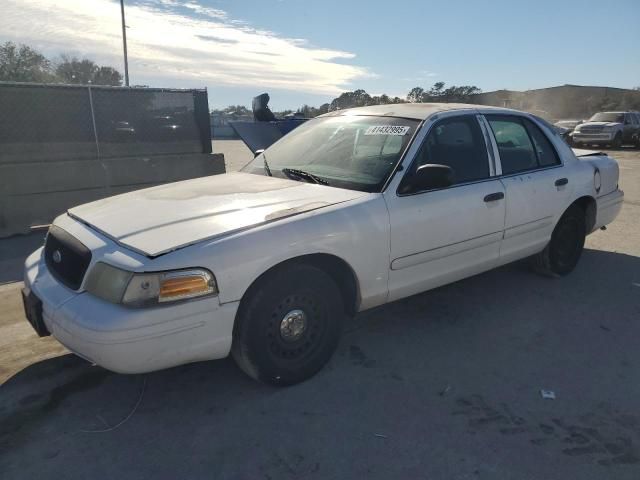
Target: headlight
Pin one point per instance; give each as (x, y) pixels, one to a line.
(144, 289)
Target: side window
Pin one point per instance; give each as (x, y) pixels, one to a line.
(516, 150)
(547, 155)
(458, 143)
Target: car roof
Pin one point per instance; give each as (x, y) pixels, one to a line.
(415, 111)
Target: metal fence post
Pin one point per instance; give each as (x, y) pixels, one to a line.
(93, 119)
(107, 179)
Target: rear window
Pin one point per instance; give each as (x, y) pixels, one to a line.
(547, 155)
(521, 144)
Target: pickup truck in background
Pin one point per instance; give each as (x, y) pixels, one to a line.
(609, 128)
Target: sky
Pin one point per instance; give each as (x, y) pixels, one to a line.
(309, 51)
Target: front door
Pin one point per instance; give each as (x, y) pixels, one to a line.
(440, 236)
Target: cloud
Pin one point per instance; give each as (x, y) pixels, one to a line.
(420, 76)
(174, 41)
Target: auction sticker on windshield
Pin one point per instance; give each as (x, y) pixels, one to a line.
(387, 130)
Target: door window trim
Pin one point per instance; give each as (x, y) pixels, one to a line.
(538, 168)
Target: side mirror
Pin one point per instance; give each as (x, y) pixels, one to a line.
(430, 177)
(258, 152)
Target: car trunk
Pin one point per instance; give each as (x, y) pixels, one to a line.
(607, 166)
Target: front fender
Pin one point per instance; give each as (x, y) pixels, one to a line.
(356, 232)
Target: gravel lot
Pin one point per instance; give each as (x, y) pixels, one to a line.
(445, 384)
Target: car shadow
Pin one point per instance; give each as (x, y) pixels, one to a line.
(483, 334)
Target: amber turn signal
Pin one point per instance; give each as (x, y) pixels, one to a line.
(185, 284)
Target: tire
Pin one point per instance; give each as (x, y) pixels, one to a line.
(562, 253)
(288, 325)
(617, 140)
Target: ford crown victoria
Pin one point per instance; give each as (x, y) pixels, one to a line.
(351, 210)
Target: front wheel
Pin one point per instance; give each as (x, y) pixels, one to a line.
(289, 325)
(563, 251)
(617, 141)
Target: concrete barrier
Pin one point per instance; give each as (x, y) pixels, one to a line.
(35, 192)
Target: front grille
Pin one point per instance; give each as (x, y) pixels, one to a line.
(66, 257)
(589, 130)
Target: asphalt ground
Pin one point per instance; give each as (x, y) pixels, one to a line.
(443, 385)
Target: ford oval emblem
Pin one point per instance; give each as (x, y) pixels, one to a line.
(57, 256)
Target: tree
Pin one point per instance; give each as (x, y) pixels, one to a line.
(436, 90)
(415, 95)
(76, 71)
(437, 93)
(107, 76)
(307, 111)
(72, 70)
(357, 98)
(21, 63)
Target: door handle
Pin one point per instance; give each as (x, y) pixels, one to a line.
(492, 197)
(561, 181)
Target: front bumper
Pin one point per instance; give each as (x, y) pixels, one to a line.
(604, 137)
(128, 340)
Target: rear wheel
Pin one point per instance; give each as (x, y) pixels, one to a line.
(289, 325)
(562, 253)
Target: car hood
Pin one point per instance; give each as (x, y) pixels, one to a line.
(158, 220)
(597, 124)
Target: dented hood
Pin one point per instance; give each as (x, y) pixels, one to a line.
(161, 219)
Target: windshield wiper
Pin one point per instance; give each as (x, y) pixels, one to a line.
(309, 177)
(266, 165)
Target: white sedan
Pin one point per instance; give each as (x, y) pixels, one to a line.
(351, 210)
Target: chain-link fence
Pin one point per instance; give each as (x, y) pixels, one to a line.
(41, 122)
(63, 145)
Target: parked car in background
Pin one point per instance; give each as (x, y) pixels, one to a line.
(609, 128)
(351, 210)
(566, 127)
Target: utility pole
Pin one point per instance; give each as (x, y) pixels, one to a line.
(124, 44)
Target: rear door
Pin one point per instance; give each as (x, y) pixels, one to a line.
(634, 127)
(536, 185)
(439, 236)
(629, 128)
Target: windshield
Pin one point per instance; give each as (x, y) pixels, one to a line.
(354, 152)
(608, 117)
(567, 123)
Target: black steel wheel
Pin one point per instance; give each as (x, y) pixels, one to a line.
(288, 325)
(562, 253)
(617, 140)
